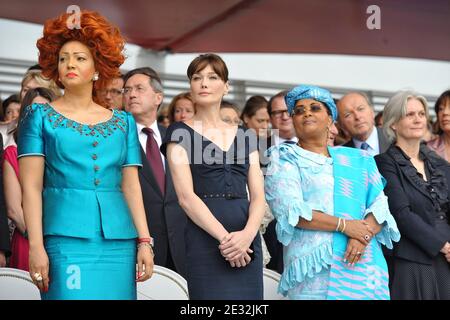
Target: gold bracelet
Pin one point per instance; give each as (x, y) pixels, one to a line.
(338, 224)
(146, 244)
(343, 229)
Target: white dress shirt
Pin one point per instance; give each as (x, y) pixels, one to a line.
(143, 139)
(372, 141)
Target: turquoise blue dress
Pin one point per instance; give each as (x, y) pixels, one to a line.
(346, 185)
(88, 229)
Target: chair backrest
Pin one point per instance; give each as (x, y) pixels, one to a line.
(16, 284)
(271, 281)
(164, 284)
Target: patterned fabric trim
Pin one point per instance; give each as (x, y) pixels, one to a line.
(106, 128)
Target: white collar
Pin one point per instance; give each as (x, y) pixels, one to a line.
(372, 141)
(279, 140)
(154, 127)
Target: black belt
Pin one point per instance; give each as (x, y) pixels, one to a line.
(223, 195)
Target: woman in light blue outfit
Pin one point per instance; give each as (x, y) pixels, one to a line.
(78, 163)
(332, 215)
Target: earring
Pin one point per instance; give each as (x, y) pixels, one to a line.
(95, 77)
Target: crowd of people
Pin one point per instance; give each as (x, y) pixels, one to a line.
(98, 175)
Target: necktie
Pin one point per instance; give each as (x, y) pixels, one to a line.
(154, 159)
(364, 146)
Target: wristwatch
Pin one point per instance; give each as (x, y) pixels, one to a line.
(152, 242)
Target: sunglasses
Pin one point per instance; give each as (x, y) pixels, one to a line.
(301, 110)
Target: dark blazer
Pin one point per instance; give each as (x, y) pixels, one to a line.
(4, 229)
(382, 141)
(166, 220)
(412, 203)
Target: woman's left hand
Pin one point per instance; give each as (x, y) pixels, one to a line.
(241, 261)
(354, 252)
(145, 263)
(235, 244)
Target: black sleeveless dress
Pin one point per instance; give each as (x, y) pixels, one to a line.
(220, 180)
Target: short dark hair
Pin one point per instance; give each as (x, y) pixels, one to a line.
(155, 80)
(280, 94)
(37, 92)
(211, 59)
(230, 105)
(14, 98)
(35, 67)
(252, 105)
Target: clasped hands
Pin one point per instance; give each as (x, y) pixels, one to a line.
(235, 248)
(360, 233)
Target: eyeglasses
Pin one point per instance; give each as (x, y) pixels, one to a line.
(301, 110)
(279, 113)
(231, 121)
(139, 89)
(113, 92)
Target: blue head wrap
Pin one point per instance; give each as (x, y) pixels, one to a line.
(311, 92)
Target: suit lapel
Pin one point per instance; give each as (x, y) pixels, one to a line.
(382, 140)
(350, 144)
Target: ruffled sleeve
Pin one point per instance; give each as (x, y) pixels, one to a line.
(380, 210)
(133, 147)
(30, 140)
(284, 192)
(306, 266)
(379, 207)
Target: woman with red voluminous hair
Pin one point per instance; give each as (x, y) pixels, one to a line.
(79, 171)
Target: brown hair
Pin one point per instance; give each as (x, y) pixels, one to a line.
(36, 75)
(252, 105)
(443, 98)
(280, 94)
(208, 59)
(171, 108)
(28, 99)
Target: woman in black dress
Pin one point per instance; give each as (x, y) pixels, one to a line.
(418, 183)
(212, 163)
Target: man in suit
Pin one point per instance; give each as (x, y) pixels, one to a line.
(4, 229)
(143, 94)
(356, 116)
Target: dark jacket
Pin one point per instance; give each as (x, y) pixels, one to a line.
(382, 141)
(4, 229)
(166, 220)
(416, 204)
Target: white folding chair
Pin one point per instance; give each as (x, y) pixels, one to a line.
(271, 281)
(16, 284)
(164, 284)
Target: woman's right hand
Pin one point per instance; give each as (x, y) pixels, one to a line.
(446, 251)
(39, 265)
(359, 230)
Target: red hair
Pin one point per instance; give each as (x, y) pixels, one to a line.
(101, 37)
